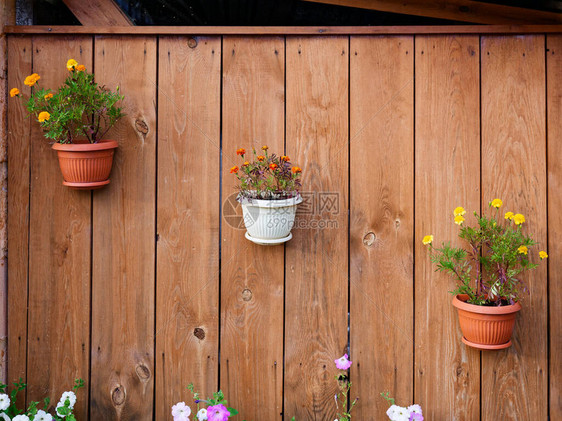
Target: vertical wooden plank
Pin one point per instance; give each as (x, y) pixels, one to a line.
(123, 308)
(382, 219)
(59, 249)
(447, 168)
(187, 311)
(317, 256)
(514, 381)
(19, 132)
(554, 161)
(251, 275)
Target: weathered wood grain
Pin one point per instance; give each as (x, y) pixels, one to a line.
(187, 322)
(251, 275)
(514, 381)
(447, 157)
(123, 301)
(317, 256)
(554, 162)
(19, 135)
(382, 219)
(59, 249)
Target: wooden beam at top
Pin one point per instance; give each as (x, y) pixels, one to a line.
(98, 12)
(459, 10)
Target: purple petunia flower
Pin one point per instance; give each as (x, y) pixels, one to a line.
(343, 363)
(415, 417)
(217, 413)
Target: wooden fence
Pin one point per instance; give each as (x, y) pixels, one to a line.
(149, 284)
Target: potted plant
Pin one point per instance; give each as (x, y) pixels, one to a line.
(269, 195)
(488, 273)
(76, 117)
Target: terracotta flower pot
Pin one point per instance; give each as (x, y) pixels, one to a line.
(486, 327)
(86, 166)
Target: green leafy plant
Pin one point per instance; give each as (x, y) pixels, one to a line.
(489, 270)
(266, 176)
(63, 410)
(79, 110)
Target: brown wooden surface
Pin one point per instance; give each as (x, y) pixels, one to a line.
(98, 12)
(285, 30)
(283, 314)
(251, 275)
(187, 322)
(317, 258)
(515, 381)
(19, 135)
(382, 219)
(554, 148)
(459, 10)
(123, 301)
(447, 156)
(59, 250)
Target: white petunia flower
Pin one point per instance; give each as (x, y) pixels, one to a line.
(20, 418)
(416, 409)
(4, 402)
(180, 411)
(71, 396)
(4, 417)
(202, 414)
(398, 413)
(43, 416)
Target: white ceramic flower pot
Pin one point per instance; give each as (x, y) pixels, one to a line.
(269, 222)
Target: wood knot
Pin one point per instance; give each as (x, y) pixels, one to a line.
(141, 126)
(246, 295)
(369, 239)
(118, 395)
(143, 372)
(199, 333)
(192, 43)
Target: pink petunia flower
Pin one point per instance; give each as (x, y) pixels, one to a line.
(217, 413)
(343, 363)
(415, 417)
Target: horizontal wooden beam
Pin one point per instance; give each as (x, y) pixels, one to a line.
(459, 10)
(98, 12)
(285, 30)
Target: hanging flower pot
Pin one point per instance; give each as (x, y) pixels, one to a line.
(269, 196)
(486, 327)
(79, 109)
(86, 166)
(269, 222)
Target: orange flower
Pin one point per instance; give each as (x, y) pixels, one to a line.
(285, 158)
(14, 92)
(265, 147)
(296, 170)
(261, 157)
(246, 163)
(241, 151)
(43, 116)
(273, 166)
(234, 169)
(80, 67)
(48, 96)
(31, 79)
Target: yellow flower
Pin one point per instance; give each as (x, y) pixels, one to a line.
(509, 215)
(14, 92)
(523, 250)
(496, 203)
(265, 147)
(543, 255)
(518, 219)
(80, 67)
(71, 64)
(459, 219)
(459, 210)
(31, 79)
(428, 239)
(43, 116)
(48, 96)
